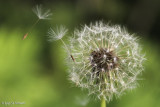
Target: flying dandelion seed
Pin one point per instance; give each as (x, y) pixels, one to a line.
(54, 35)
(107, 60)
(41, 14)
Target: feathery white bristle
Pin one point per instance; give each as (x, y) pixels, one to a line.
(57, 34)
(42, 14)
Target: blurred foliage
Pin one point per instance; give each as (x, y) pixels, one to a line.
(34, 71)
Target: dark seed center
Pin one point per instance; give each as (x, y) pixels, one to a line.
(103, 60)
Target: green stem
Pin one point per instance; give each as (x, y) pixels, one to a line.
(103, 102)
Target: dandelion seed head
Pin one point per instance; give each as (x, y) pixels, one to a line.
(107, 60)
(41, 13)
(57, 34)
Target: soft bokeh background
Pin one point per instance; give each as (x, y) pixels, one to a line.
(33, 71)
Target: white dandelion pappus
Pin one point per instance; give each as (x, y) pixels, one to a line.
(41, 14)
(57, 34)
(107, 60)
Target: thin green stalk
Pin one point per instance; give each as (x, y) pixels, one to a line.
(103, 102)
(33, 25)
(65, 46)
(30, 29)
(67, 49)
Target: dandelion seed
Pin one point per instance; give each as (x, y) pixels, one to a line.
(102, 55)
(41, 14)
(24, 37)
(58, 35)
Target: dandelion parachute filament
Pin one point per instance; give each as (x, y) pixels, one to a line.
(41, 13)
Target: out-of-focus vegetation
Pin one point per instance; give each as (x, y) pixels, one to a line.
(34, 71)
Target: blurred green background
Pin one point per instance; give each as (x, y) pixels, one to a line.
(33, 71)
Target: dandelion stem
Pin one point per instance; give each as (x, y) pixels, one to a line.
(103, 102)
